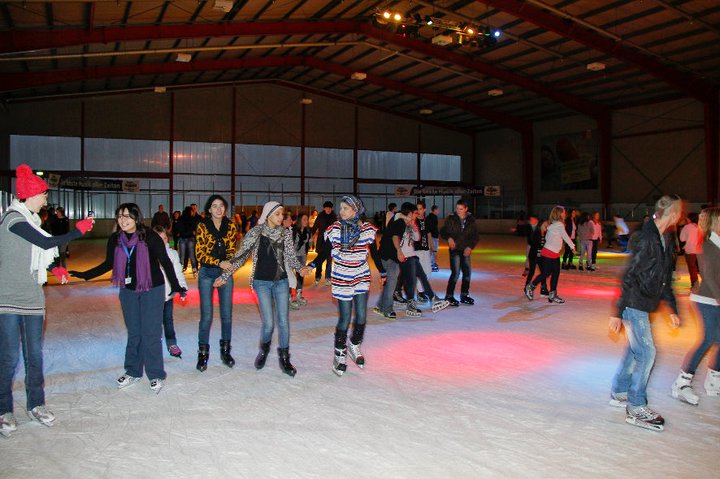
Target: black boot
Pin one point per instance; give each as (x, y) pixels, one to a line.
(203, 355)
(284, 357)
(225, 353)
(262, 355)
(339, 363)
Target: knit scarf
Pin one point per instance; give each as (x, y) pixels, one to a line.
(143, 278)
(349, 232)
(40, 258)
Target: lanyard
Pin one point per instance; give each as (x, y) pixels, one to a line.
(128, 254)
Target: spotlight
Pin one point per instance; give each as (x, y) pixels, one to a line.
(496, 34)
(470, 31)
(386, 15)
(428, 20)
(397, 17)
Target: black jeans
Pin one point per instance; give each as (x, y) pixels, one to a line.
(568, 255)
(534, 261)
(548, 267)
(324, 249)
(411, 272)
(595, 243)
(459, 262)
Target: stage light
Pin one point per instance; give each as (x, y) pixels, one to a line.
(470, 31)
(496, 34)
(428, 20)
(397, 17)
(386, 15)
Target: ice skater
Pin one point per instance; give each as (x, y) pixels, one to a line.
(168, 321)
(462, 235)
(350, 238)
(273, 262)
(135, 254)
(550, 256)
(26, 255)
(216, 236)
(646, 281)
(707, 301)
(301, 242)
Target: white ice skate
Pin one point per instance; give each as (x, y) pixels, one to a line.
(712, 383)
(8, 424)
(42, 415)
(643, 416)
(356, 354)
(682, 389)
(339, 363)
(618, 399)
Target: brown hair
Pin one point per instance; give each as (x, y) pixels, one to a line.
(709, 221)
(556, 214)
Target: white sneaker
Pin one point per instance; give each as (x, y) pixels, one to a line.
(8, 424)
(682, 389)
(126, 380)
(42, 415)
(156, 385)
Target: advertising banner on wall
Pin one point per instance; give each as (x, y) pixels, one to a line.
(569, 162)
(92, 184)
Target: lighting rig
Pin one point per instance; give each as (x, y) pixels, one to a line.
(461, 33)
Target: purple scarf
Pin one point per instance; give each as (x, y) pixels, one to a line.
(143, 278)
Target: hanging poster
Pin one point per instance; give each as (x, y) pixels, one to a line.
(569, 162)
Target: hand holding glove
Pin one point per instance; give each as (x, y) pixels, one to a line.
(60, 273)
(85, 225)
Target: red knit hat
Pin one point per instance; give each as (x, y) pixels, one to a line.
(27, 183)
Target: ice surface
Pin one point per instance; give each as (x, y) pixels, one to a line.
(507, 388)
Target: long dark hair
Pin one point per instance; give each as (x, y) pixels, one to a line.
(136, 214)
(210, 200)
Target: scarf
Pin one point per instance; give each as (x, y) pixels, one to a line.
(143, 278)
(41, 259)
(350, 228)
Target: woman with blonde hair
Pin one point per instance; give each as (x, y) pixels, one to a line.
(550, 255)
(707, 301)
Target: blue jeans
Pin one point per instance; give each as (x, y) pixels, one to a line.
(413, 271)
(711, 335)
(143, 314)
(634, 371)
(28, 330)
(392, 269)
(345, 311)
(186, 251)
(433, 251)
(168, 325)
(279, 292)
(586, 248)
(206, 278)
(459, 262)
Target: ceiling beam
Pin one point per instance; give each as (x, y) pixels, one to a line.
(10, 81)
(694, 86)
(15, 41)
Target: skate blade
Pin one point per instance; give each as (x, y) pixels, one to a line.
(439, 306)
(339, 372)
(644, 425)
(413, 315)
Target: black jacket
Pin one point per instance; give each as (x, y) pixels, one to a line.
(648, 278)
(465, 236)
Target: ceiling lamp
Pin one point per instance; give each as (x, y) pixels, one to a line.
(183, 57)
(224, 5)
(160, 89)
(495, 92)
(595, 66)
(306, 101)
(426, 111)
(358, 76)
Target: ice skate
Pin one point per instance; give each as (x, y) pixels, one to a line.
(712, 383)
(465, 299)
(356, 354)
(284, 359)
(554, 298)
(452, 301)
(156, 385)
(643, 416)
(544, 293)
(175, 351)
(294, 305)
(398, 301)
(618, 399)
(529, 291)
(412, 311)
(339, 363)
(8, 424)
(42, 415)
(225, 348)
(203, 356)
(682, 389)
(300, 300)
(126, 380)
(439, 304)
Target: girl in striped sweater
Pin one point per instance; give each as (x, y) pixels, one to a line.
(550, 255)
(350, 238)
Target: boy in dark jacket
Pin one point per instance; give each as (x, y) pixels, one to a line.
(647, 280)
(462, 235)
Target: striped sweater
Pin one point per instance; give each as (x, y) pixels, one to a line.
(350, 272)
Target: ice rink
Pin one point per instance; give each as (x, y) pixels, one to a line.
(507, 388)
